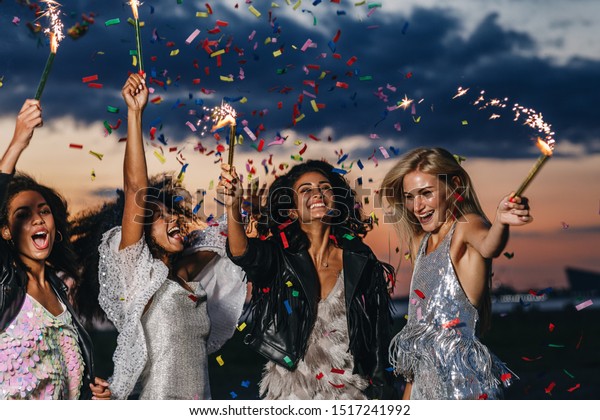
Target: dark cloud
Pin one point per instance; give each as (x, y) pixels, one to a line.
(429, 44)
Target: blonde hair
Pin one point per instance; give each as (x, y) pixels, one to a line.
(442, 164)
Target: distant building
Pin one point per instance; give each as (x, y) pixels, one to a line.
(583, 281)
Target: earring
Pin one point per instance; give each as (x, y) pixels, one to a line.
(60, 235)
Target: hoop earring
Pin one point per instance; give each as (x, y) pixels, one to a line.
(61, 237)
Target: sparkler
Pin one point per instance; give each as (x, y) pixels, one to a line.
(546, 150)
(136, 23)
(56, 35)
(223, 116)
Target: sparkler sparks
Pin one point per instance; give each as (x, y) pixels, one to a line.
(460, 92)
(55, 33)
(405, 102)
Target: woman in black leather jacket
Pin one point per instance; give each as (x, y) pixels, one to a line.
(45, 353)
(320, 299)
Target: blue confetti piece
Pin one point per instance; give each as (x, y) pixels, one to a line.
(156, 123)
(176, 104)
(343, 158)
(228, 99)
(151, 10)
(177, 199)
(360, 164)
(359, 180)
(288, 307)
(389, 369)
(404, 28)
(394, 150)
(341, 12)
(331, 45)
(199, 102)
(245, 384)
(197, 207)
(162, 139)
(339, 171)
(316, 2)
(209, 219)
(153, 72)
(233, 395)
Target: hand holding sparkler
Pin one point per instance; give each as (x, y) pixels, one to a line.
(56, 35)
(514, 211)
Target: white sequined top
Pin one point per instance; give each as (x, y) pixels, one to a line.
(131, 276)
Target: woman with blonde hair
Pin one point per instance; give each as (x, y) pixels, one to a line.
(451, 245)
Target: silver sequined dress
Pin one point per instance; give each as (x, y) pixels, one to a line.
(167, 345)
(438, 350)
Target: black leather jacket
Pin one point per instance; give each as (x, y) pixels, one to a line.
(13, 287)
(283, 316)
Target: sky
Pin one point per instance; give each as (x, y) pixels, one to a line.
(358, 61)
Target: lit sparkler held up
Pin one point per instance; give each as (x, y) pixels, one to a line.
(546, 149)
(223, 116)
(55, 33)
(136, 23)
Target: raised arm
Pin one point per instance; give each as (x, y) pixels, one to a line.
(490, 241)
(28, 119)
(232, 190)
(135, 173)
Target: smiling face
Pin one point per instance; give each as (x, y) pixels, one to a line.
(314, 197)
(30, 227)
(166, 229)
(426, 197)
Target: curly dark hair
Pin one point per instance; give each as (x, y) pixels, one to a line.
(90, 225)
(346, 218)
(63, 257)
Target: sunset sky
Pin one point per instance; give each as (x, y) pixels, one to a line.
(531, 52)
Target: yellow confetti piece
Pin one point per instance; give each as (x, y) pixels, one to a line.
(464, 122)
(226, 78)
(211, 185)
(360, 3)
(243, 100)
(289, 283)
(219, 52)
(174, 53)
(254, 11)
(313, 103)
(134, 60)
(273, 4)
(93, 175)
(417, 120)
(220, 360)
(98, 155)
(298, 3)
(201, 14)
(241, 327)
(322, 76)
(299, 118)
(267, 41)
(276, 53)
(298, 142)
(159, 156)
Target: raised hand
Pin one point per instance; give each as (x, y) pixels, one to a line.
(29, 118)
(230, 186)
(135, 92)
(514, 211)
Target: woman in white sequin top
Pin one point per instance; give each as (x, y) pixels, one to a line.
(173, 302)
(451, 244)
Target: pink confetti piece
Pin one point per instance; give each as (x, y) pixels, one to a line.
(191, 126)
(192, 36)
(250, 133)
(373, 136)
(398, 127)
(584, 305)
(251, 36)
(307, 44)
(16, 20)
(384, 152)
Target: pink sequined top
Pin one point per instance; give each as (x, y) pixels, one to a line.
(40, 356)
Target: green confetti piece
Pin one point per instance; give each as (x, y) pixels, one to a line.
(348, 236)
(365, 78)
(288, 361)
(107, 126)
(132, 52)
(110, 22)
(112, 109)
(281, 71)
(179, 1)
(569, 374)
(295, 293)
(556, 346)
(373, 5)
(131, 21)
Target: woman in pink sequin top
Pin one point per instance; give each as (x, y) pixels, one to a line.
(45, 353)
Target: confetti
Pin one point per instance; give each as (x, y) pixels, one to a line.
(112, 22)
(509, 255)
(241, 327)
(420, 294)
(75, 146)
(254, 11)
(584, 305)
(220, 360)
(98, 155)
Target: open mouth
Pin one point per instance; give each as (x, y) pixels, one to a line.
(316, 205)
(175, 233)
(40, 240)
(425, 218)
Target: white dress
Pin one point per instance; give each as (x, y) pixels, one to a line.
(130, 277)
